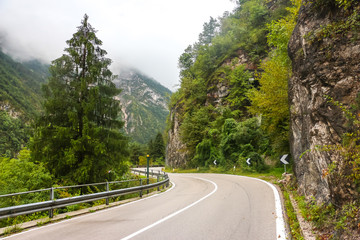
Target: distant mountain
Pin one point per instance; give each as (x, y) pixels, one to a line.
(144, 104)
(20, 85)
(143, 101)
(20, 101)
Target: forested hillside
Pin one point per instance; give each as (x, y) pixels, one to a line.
(21, 85)
(20, 101)
(232, 103)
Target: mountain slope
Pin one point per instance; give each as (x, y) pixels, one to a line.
(20, 85)
(143, 100)
(20, 101)
(144, 105)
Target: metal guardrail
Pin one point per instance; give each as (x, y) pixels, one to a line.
(58, 203)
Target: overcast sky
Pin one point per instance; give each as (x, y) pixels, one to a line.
(149, 35)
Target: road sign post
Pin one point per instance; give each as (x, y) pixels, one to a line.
(284, 160)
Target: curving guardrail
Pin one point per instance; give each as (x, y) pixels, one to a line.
(58, 203)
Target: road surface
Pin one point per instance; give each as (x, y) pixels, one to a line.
(198, 206)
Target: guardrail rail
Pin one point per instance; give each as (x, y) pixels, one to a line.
(53, 203)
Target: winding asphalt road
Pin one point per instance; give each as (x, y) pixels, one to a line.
(198, 206)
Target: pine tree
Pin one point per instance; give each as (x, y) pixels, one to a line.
(159, 146)
(156, 147)
(78, 137)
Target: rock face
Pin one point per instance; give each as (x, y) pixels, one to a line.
(176, 154)
(325, 57)
(143, 105)
(219, 88)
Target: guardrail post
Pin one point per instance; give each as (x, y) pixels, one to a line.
(158, 178)
(152, 172)
(51, 211)
(163, 186)
(140, 186)
(147, 183)
(107, 189)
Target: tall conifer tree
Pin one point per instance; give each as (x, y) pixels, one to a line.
(78, 137)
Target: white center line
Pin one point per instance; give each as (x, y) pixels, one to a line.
(175, 213)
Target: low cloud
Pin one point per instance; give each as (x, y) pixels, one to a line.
(149, 35)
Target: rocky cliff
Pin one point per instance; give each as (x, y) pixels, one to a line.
(325, 52)
(143, 105)
(176, 153)
(217, 90)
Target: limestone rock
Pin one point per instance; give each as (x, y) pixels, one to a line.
(322, 66)
(176, 154)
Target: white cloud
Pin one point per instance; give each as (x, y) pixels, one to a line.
(147, 34)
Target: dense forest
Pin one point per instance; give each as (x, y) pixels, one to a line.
(20, 101)
(245, 53)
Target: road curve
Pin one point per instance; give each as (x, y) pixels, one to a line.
(199, 206)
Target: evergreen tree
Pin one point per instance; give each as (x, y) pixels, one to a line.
(159, 147)
(156, 149)
(136, 150)
(78, 136)
(209, 31)
(150, 147)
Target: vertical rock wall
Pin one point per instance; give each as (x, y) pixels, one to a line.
(176, 155)
(325, 63)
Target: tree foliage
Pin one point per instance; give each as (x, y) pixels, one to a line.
(20, 86)
(20, 174)
(78, 137)
(271, 99)
(224, 129)
(13, 134)
(20, 101)
(157, 150)
(194, 128)
(136, 150)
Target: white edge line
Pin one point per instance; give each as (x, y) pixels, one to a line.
(280, 223)
(175, 213)
(92, 214)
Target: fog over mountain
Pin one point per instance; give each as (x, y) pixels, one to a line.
(147, 35)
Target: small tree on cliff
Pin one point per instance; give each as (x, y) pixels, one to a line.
(78, 137)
